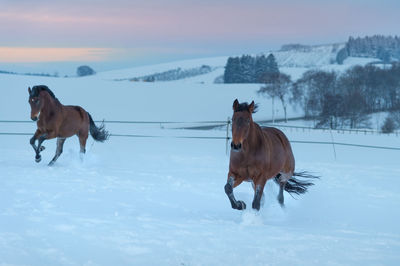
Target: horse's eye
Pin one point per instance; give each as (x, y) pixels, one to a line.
(35, 100)
(248, 121)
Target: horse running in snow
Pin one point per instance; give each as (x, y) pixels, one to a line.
(55, 120)
(259, 154)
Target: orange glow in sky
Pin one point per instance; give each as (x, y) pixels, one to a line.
(34, 54)
(135, 30)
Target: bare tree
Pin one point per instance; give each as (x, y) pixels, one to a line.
(277, 85)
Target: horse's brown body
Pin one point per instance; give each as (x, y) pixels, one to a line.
(55, 120)
(62, 121)
(257, 155)
(265, 153)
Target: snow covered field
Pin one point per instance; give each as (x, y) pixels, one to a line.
(161, 201)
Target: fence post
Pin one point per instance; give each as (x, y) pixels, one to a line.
(227, 134)
(333, 144)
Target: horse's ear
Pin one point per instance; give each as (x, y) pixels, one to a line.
(29, 90)
(251, 107)
(235, 105)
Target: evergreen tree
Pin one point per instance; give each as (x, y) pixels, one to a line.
(271, 71)
(247, 69)
(272, 65)
(383, 54)
(260, 68)
(231, 70)
(341, 56)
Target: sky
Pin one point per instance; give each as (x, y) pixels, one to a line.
(121, 33)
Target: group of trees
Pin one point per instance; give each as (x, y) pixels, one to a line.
(80, 72)
(347, 99)
(30, 74)
(249, 69)
(175, 74)
(334, 100)
(295, 46)
(344, 100)
(392, 122)
(84, 70)
(377, 46)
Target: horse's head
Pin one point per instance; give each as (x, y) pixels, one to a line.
(241, 122)
(35, 102)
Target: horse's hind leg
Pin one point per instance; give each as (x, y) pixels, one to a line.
(282, 179)
(236, 204)
(59, 150)
(82, 143)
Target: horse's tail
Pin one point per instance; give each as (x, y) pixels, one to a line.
(98, 133)
(296, 186)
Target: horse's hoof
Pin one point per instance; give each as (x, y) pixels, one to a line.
(42, 148)
(256, 206)
(38, 158)
(281, 202)
(241, 205)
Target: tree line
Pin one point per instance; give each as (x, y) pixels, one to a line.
(385, 48)
(340, 100)
(175, 74)
(249, 69)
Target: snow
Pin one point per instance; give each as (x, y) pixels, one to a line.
(160, 200)
(296, 72)
(151, 69)
(138, 101)
(292, 62)
(318, 55)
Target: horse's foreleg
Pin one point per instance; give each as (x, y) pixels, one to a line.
(59, 150)
(34, 138)
(258, 193)
(239, 205)
(39, 147)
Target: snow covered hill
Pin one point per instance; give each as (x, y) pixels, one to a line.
(292, 61)
(308, 56)
(160, 200)
(129, 73)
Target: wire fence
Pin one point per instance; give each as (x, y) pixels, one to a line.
(221, 123)
(225, 124)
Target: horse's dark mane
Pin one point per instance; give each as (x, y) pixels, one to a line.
(38, 88)
(245, 107)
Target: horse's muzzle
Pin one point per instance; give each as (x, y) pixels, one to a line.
(236, 147)
(34, 118)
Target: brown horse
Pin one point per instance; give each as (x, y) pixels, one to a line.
(259, 154)
(55, 120)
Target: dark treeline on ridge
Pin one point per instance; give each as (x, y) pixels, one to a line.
(385, 48)
(249, 69)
